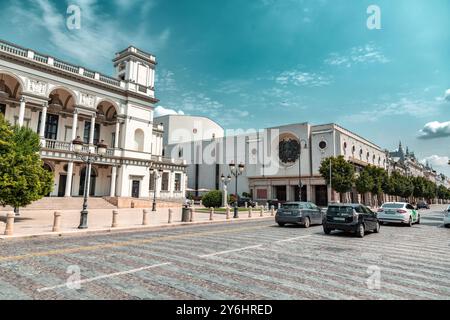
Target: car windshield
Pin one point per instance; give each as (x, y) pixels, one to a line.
(393, 205)
(341, 210)
(292, 206)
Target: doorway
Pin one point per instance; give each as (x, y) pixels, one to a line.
(321, 196)
(62, 185)
(135, 188)
(280, 193)
(93, 181)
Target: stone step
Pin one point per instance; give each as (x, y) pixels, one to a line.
(54, 203)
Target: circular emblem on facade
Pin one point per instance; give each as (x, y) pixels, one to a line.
(194, 131)
(288, 150)
(322, 144)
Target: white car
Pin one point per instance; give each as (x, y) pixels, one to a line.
(398, 212)
(447, 217)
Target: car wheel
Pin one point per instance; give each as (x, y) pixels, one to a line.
(447, 225)
(327, 230)
(361, 231)
(377, 228)
(382, 223)
(281, 224)
(307, 223)
(410, 223)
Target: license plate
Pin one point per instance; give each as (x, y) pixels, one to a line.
(390, 212)
(339, 219)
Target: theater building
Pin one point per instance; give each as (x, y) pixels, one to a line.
(277, 160)
(61, 101)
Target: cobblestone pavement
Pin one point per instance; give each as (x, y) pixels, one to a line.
(246, 260)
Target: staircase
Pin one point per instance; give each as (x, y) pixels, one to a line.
(53, 203)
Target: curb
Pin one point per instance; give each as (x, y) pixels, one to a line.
(124, 229)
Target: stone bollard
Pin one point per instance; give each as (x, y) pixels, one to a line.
(145, 214)
(211, 214)
(192, 213)
(9, 230)
(272, 211)
(227, 213)
(57, 222)
(261, 211)
(114, 223)
(170, 215)
(250, 212)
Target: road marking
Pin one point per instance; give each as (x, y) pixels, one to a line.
(229, 251)
(106, 276)
(292, 239)
(123, 243)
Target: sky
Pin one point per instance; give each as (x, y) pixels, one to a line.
(262, 63)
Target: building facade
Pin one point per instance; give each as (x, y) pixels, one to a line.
(273, 169)
(61, 102)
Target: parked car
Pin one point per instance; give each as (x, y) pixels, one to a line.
(447, 217)
(302, 213)
(422, 205)
(352, 217)
(275, 203)
(243, 200)
(398, 212)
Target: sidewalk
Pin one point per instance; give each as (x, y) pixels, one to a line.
(35, 223)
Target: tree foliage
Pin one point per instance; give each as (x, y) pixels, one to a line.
(342, 173)
(22, 176)
(212, 199)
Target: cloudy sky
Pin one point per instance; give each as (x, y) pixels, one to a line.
(259, 63)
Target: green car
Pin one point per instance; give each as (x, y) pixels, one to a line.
(398, 212)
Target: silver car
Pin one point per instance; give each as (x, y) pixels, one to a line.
(301, 213)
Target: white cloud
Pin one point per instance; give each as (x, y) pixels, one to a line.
(368, 53)
(436, 161)
(435, 129)
(447, 95)
(303, 79)
(162, 111)
(405, 106)
(99, 37)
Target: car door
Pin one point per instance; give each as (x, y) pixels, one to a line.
(315, 211)
(412, 211)
(368, 218)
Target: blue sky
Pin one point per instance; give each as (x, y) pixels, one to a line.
(259, 63)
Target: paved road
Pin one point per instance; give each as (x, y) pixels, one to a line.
(248, 260)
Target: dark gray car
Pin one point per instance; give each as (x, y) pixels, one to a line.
(302, 213)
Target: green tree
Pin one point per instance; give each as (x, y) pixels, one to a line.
(342, 174)
(364, 183)
(378, 177)
(23, 179)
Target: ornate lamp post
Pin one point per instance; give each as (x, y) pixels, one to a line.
(225, 182)
(300, 185)
(87, 158)
(236, 172)
(156, 174)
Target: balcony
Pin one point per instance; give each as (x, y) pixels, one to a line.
(67, 146)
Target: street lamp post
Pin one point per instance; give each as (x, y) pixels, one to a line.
(305, 147)
(236, 172)
(87, 158)
(156, 174)
(225, 182)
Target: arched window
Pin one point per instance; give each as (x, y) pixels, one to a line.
(139, 140)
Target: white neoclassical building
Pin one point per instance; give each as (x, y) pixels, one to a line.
(61, 101)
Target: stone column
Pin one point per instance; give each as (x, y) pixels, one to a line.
(116, 140)
(43, 120)
(21, 111)
(92, 131)
(74, 125)
(68, 192)
(171, 183)
(113, 182)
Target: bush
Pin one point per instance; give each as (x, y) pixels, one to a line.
(212, 199)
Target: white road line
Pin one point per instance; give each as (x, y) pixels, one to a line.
(292, 239)
(229, 251)
(72, 283)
